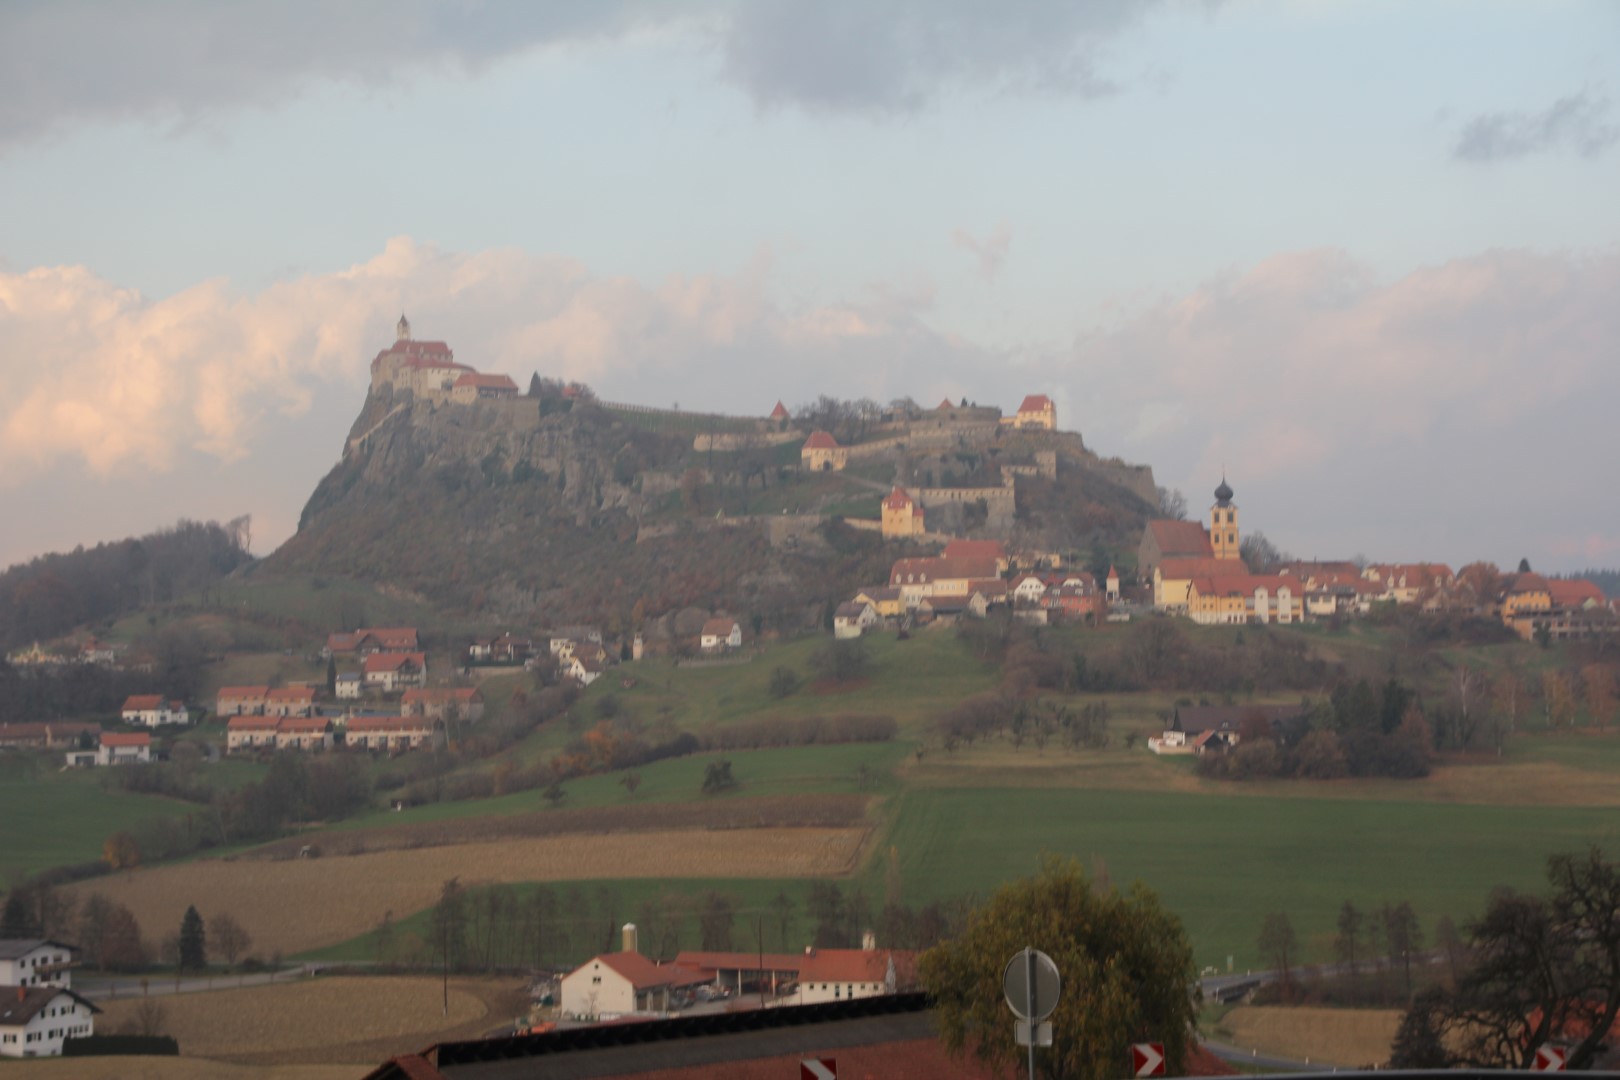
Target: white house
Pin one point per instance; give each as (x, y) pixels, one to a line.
(349, 686)
(853, 618)
(843, 974)
(153, 710)
(36, 1020)
(616, 984)
(720, 634)
(36, 962)
(1029, 589)
(119, 749)
(390, 671)
(584, 669)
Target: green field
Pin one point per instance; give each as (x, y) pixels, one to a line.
(61, 819)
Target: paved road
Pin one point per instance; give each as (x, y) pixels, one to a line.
(103, 988)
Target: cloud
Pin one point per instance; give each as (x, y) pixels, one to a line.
(123, 385)
(66, 62)
(991, 251)
(1578, 122)
(1462, 406)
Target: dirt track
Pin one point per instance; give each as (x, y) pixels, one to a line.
(294, 905)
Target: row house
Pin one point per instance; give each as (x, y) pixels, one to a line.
(265, 701)
(391, 671)
(278, 733)
(391, 733)
(290, 701)
(153, 710)
(440, 703)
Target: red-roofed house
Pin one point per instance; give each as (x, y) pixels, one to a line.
(120, 749)
(1172, 579)
(780, 412)
(1245, 598)
(843, 974)
(903, 518)
(852, 618)
(1575, 593)
(390, 671)
(617, 984)
(368, 640)
(153, 710)
(289, 701)
(303, 733)
(1035, 411)
(470, 386)
(918, 579)
(391, 733)
(720, 634)
(467, 702)
(977, 549)
(241, 700)
(249, 732)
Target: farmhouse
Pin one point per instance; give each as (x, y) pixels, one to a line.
(621, 983)
(466, 703)
(120, 749)
(1199, 729)
(853, 618)
(365, 641)
(153, 710)
(391, 733)
(844, 974)
(36, 962)
(36, 1020)
(937, 577)
(821, 453)
(584, 668)
(390, 671)
(508, 648)
(885, 601)
(720, 634)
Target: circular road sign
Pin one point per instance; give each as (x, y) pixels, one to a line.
(1016, 984)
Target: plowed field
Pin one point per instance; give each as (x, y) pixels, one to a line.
(292, 905)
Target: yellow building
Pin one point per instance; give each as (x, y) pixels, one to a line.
(1244, 598)
(886, 602)
(1223, 524)
(902, 517)
(1036, 411)
(821, 453)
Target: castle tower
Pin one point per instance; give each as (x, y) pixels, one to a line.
(1223, 523)
(402, 329)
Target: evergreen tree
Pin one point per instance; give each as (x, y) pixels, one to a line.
(331, 676)
(20, 918)
(193, 941)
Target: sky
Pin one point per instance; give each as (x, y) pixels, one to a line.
(1362, 257)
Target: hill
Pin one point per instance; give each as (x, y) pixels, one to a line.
(556, 504)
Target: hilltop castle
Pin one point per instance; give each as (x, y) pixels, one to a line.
(428, 369)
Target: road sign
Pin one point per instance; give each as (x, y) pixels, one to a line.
(1043, 1033)
(1016, 983)
(1550, 1059)
(818, 1069)
(1147, 1059)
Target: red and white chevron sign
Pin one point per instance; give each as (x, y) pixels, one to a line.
(1550, 1059)
(819, 1069)
(1147, 1059)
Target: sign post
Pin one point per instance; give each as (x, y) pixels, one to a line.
(1550, 1059)
(818, 1069)
(1032, 986)
(1147, 1059)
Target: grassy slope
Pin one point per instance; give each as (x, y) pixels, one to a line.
(62, 818)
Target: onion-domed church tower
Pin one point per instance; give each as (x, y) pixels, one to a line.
(1223, 523)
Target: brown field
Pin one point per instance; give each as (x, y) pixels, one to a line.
(327, 1020)
(293, 905)
(1486, 783)
(1330, 1036)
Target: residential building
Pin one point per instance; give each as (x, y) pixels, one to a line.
(853, 618)
(36, 1020)
(1172, 580)
(1244, 598)
(368, 640)
(821, 453)
(583, 668)
(153, 710)
(290, 701)
(978, 549)
(937, 577)
(885, 601)
(117, 748)
(36, 962)
(391, 671)
(251, 732)
(470, 386)
(622, 983)
(303, 733)
(51, 734)
(391, 733)
(350, 685)
(720, 634)
(903, 518)
(439, 703)
(241, 700)
(845, 974)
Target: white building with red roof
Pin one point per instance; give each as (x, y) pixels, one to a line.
(118, 748)
(240, 700)
(390, 671)
(153, 710)
(623, 983)
(720, 634)
(289, 701)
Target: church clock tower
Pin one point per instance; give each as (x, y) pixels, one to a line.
(402, 329)
(1223, 523)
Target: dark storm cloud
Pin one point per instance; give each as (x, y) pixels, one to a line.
(1578, 122)
(71, 61)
